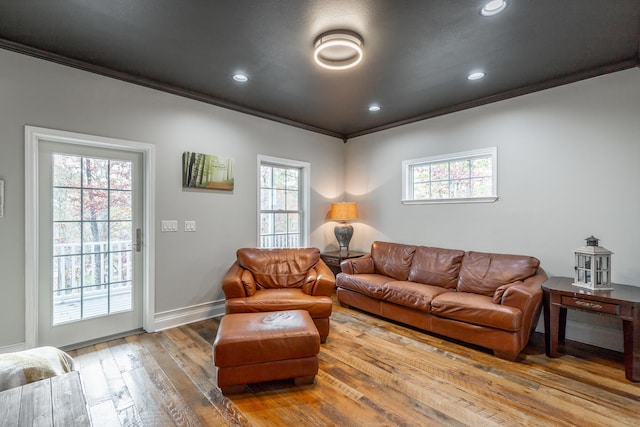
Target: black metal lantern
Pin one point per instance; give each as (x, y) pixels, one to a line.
(593, 266)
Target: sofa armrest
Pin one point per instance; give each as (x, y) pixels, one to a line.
(362, 265)
(232, 282)
(325, 281)
(527, 296)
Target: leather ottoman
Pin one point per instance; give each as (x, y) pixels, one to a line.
(257, 347)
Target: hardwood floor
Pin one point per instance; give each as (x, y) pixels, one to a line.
(372, 373)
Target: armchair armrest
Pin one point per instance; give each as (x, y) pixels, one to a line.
(232, 282)
(362, 265)
(325, 281)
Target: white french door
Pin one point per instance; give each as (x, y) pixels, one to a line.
(90, 237)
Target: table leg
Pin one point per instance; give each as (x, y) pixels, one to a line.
(552, 325)
(562, 324)
(631, 330)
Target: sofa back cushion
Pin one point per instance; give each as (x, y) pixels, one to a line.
(482, 273)
(436, 266)
(278, 268)
(392, 259)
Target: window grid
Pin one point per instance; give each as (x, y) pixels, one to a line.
(90, 268)
(280, 206)
(459, 177)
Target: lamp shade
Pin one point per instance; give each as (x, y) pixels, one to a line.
(345, 211)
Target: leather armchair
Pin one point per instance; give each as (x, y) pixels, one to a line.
(280, 279)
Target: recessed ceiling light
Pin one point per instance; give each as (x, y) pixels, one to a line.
(374, 108)
(476, 75)
(494, 7)
(239, 77)
(338, 50)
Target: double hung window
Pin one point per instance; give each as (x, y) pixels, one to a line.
(283, 203)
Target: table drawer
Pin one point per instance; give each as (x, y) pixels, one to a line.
(595, 306)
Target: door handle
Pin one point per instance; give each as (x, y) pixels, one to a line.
(138, 240)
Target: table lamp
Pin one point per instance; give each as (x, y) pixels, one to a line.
(343, 212)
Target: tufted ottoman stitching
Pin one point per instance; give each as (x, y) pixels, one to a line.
(257, 347)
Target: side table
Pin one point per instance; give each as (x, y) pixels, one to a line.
(622, 302)
(334, 258)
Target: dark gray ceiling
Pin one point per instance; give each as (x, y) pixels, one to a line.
(417, 52)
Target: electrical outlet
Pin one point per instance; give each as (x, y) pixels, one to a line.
(169, 226)
(189, 226)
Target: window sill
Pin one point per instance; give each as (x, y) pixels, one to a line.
(450, 201)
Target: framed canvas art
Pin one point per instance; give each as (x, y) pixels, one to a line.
(207, 171)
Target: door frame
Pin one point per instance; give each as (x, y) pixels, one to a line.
(32, 138)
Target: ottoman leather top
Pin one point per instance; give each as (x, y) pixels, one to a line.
(247, 338)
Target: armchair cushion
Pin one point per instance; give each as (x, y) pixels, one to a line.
(280, 300)
(279, 268)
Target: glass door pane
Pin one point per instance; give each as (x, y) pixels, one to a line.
(93, 237)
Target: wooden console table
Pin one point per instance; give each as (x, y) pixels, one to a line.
(622, 302)
(56, 401)
(334, 258)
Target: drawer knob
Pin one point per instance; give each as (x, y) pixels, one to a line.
(588, 304)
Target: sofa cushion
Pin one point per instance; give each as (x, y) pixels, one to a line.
(371, 285)
(436, 266)
(278, 268)
(482, 273)
(281, 299)
(476, 309)
(413, 295)
(392, 259)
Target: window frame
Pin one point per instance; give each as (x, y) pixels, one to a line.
(304, 189)
(407, 176)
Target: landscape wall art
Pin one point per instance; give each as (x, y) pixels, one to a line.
(207, 171)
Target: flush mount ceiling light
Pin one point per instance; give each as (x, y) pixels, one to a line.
(338, 50)
(374, 108)
(494, 7)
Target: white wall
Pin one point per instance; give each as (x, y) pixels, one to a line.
(189, 266)
(568, 161)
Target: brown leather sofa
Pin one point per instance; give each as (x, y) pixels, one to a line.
(280, 279)
(491, 300)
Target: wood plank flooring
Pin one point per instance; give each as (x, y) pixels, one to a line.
(372, 373)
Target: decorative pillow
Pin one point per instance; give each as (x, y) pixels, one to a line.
(482, 273)
(436, 266)
(24, 367)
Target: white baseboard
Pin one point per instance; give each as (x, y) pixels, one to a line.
(182, 316)
(13, 347)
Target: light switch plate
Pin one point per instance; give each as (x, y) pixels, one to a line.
(169, 226)
(189, 226)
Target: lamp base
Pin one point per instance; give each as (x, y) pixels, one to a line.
(343, 233)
